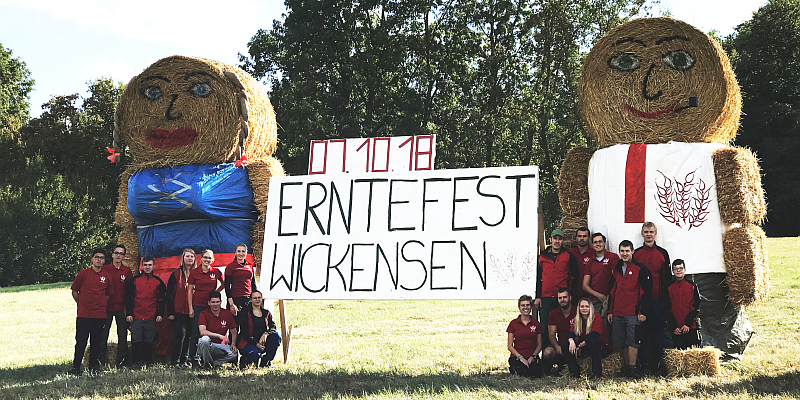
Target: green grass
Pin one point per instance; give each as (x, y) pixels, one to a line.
(389, 350)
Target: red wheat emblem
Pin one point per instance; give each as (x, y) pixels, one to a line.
(683, 202)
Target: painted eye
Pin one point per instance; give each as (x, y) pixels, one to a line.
(624, 62)
(679, 60)
(152, 92)
(201, 89)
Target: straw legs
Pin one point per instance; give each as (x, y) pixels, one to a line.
(594, 348)
(214, 354)
(251, 355)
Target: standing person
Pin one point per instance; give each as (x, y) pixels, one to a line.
(630, 295)
(202, 281)
(240, 280)
(178, 308)
(259, 338)
(583, 255)
(120, 275)
(656, 259)
(559, 323)
(587, 335)
(214, 348)
(144, 303)
(91, 290)
(524, 341)
(556, 268)
(597, 281)
(681, 303)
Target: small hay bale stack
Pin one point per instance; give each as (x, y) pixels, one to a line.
(694, 361)
(746, 262)
(611, 364)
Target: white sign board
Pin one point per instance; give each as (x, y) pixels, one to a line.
(440, 234)
(380, 154)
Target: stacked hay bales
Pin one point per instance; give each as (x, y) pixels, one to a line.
(694, 361)
(746, 262)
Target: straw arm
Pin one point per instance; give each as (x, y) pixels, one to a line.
(573, 182)
(259, 171)
(738, 185)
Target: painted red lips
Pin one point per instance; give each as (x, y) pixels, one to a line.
(649, 115)
(166, 139)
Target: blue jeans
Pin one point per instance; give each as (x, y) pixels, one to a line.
(251, 354)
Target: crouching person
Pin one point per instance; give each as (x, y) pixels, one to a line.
(144, 303)
(258, 337)
(587, 336)
(213, 348)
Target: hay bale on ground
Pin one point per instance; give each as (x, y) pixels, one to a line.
(573, 181)
(694, 361)
(569, 224)
(738, 180)
(745, 255)
(611, 364)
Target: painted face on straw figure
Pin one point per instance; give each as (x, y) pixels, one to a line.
(662, 104)
(202, 135)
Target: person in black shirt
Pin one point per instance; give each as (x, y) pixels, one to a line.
(258, 338)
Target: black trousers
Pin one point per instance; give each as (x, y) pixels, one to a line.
(86, 328)
(122, 337)
(195, 332)
(683, 342)
(182, 327)
(516, 367)
(594, 348)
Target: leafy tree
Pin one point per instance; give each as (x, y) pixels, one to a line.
(15, 88)
(765, 52)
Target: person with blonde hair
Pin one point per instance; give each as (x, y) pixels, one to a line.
(178, 307)
(587, 337)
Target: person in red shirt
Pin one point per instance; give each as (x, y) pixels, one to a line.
(597, 281)
(524, 341)
(214, 348)
(628, 303)
(587, 336)
(656, 259)
(120, 275)
(240, 280)
(681, 303)
(583, 255)
(259, 338)
(178, 308)
(91, 290)
(558, 325)
(555, 268)
(144, 303)
(202, 281)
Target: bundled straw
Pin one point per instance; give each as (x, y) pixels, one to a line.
(128, 238)
(122, 216)
(739, 191)
(573, 181)
(259, 172)
(613, 102)
(745, 256)
(611, 364)
(694, 361)
(569, 225)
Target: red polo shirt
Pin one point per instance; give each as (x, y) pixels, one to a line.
(601, 272)
(204, 283)
(240, 277)
(563, 324)
(525, 335)
(219, 324)
(92, 288)
(583, 260)
(119, 278)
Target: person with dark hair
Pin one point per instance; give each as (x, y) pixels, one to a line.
(178, 308)
(583, 253)
(144, 303)
(681, 303)
(558, 326)
(120, 275)
(555, 268)
(214, 347)
(240, 281)
(631, 284)
(90, 290)
(202, 281)
(656, 259)
(587, 336)
(597, 281)
(524, 341)
(258, 337)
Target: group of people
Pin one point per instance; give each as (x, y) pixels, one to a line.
(205, 333)
(630, 295)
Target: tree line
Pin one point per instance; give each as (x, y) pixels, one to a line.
(496, 81)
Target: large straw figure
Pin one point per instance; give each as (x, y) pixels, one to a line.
(202, 135)
(662, 102)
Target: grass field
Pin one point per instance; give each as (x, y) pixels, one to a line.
(389, 350)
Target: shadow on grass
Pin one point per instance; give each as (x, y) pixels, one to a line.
(28, 288)
(764, 385)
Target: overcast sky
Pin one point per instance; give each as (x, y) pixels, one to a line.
(66, 44)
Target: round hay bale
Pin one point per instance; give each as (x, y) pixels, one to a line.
(573, 181)
(186, 110)
(640, 83)
(745, 255)
(570, 224)
(128, 238)
(739, 191)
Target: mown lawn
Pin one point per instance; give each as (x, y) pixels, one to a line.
(388, 349)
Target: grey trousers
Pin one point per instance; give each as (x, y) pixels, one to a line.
(215, 354)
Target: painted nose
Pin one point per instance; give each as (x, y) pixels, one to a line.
(645, 92)
(171, 116)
